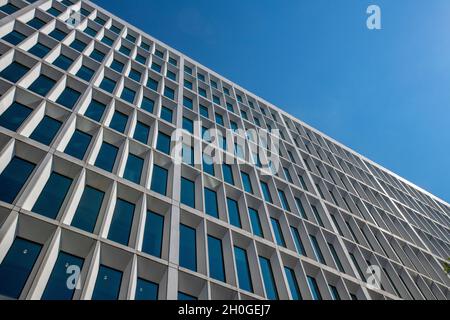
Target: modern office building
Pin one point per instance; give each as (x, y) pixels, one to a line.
(93, 205)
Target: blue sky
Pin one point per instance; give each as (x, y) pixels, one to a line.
(384, 93)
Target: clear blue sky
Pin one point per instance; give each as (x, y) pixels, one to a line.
(385, 94)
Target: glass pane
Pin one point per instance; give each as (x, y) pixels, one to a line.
(293, 284)
(298, 241)
(14, 37)
(133, 168)
(78, 144)
(107, 285)
(46, 130)
(119, 121)
(85, 73)
(166, 114)
(117, 66)
(187, 192)
(266, 192)
(146, 290)
(141, 132)
(14, 116)
(42, 85)
(39, 50)
(14, 176)
(277, 231)
(95, 110)
(269, 281)
(159, 180)
(216, 264)
(208, 165)
(283, 200)
(14, 72)
(88, 209)
(108, 85)
(57, 34)
(227, 174)
(153, 233)
(188, 248)
(147, 104)
(122, 219)
(256, 223)
(128, 95)
(246, 182)
(68, 98)
(106, 156)
(242, 269)
(63, 62)
(78, 45)
(211, 203)
(184, 296)
(163, 143)
(316, 248)
(233, 213)
(314, 288)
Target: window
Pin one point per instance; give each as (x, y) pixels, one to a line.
(202, 92)
(52, 196)
(188, 70)
(216, 100)
(57, 34)
(68, 98)
(314, 288)
(14, 116)
(317, 216)
(188, 248)
(135, 75)
(166, 114)
(284, 202)
(171, 75)
(42, 85)
(301, 208)
(316, 248)
(233, 213)
(246, 182)
(97, 55)
(108, 84)
(125, 50)
(46, 130)
(201, 77)
(213, 84)
(172, 61)
(266, 192)
(187, 84)
(187, 102)
(106, 157)
(57, 288)
(268, 279)
(163, 143)
(156, 67)
(108, 41)
(287, 175)
(128, 95)
(131, 38)
(211, 203)
(146, 290)
(293, 284)
(188, 192)
(219, 119)
(17, 265)
(54, 12)
(9, 8)
(153, 234)
(63, 62)
(227, 173)
(215, 255)
(141, 132)
(185, 296)
(140, 58)
(119, 121)
(230, 107)
(107, 285)
(133, 168)
(208, 164)
(99, 20)
(147, 104)
(188, 125)
(88, 209)
(255, 222)
(114, 29)
(122, 219)
(14, 37)
(277, 231)
(14, 72)
(298, 241)
(233, 125)
(243, 269)
(152, 84)
(78, 45)
(117, 66)
(159, 180)
(95, 110)
(85, 73)
(358, 268)
(336, 258)
(334, 292)
(204, 111)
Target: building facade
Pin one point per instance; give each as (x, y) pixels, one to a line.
(93, 204)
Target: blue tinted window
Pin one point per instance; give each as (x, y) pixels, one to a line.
(119, 121)
(316, 248)
(90, 31)
(122, 219)
(146, 290)
(16, 266)
(153, 234)
(208, 165)
(172, 61)
(216, 264)
(78, 144)
(108, 41)
(188, 192)
(301, 208)
(242, 269)
(68, 97)
(334, 292)
(266, 192)
(107, 285)
(188, 248)
(42, 85)
(88, 209)
(114, 29)
(54, 12)
(57, 288)
(204, 111)
(99, 20)
(246, 182)
(169, 92)
(141, 132)
(14, 37)
(152, 84)
(227, 173)
(233, 213)
(188, 103)
(336, 257)
(163, 143)
(277, 231)
(78, 45)
(255, 222)
(141, 59)
(187, 154)
(185, 296)
(106, 156)
(159, 180)
(14, 71)
(46, 130)
(52, 196)
(284, 202)
(188, 84)
(269, 281)
(14, 176)
(314, 288)
(9, 8)
(219, 119)
(108, 85)
(188, 125)
(85, 73)
(95, 110)
(125, 50)
(298, 241)
(39, 50)
(147, 104)
(216, 100)
(211, 203)
(63, 62)
(133, 168)
(14, 116)
(293, 284)
(117, 66)
(317, 215)
(128, 94)
(156, 67)
(166, 114)
(171, 75)
(57, 34)
(135, 75)
(288, 175)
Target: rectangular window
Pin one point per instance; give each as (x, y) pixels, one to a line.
(227, 173)
(188, 248)
(159, 180)
(188, 103)
(42, 85)
(208, 165)
(147, 104)
(141, 59)
(106, 156)
(169, 92)
(268, 279)
(52, 196)
(303, 183)
(233, 213)
(119, 121)
(215, 255)
(78, 45)
(107, 285)
(187, 154)
(246, 182)
(316, 248)
(334, 292)
(202, 92)
(68, 98)
(57, 288)
(120, 228)
(266, 192)
(46, 130)
(298, 241)
(108, 41)
(293, 284)
(284, 202)
(204, 111)
(117, 66)
(166, 114)
(39, 50)
(277, 231)
(301, 209)
(163, 143)
(97, 55)
(14, 116)
(57, 34)
(17, 265)
(317, 216)
(187, 192)
(255, 222)
(152, 84)
(243, 269)
(63, 62)
(135, 75)
(146, 290)
(358, 268)
(108, 85)
(14, 37)
(133, 168)
(153, 234)
(128, 95)
(188, 125)
(336, 258)
(141, 132)
(287, 175)
(88, 209)
(95, 110)
(314, 288)
(211, 203)
(125, 50)
(14, 72)
(185, 296)
(9, 8)
(219, 119)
